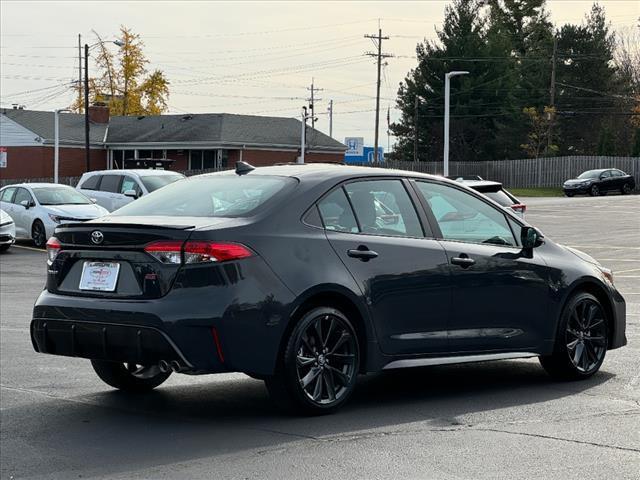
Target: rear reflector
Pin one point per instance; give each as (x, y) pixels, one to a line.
(197, 251)
(53, 248)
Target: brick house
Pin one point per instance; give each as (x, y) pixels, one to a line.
(176, 142)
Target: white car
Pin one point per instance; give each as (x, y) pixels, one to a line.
(7, 231)
(38, 208)
(113, 189)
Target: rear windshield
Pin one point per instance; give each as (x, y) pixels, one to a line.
(500, 197)
(208, 196)
(59, 196)
(154, 182)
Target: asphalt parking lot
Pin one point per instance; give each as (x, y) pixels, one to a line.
(494, 420)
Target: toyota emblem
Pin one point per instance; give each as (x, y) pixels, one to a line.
(97, 237)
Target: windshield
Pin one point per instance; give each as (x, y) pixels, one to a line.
(590, 174)
(208, 196)
(154, 182)
(59, 196)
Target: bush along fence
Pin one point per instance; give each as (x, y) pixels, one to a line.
(525, 173)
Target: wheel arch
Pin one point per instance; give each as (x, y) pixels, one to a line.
(342, 299)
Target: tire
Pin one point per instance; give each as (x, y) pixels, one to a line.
(129, 377)
(322, 351)
(569, 194)
(4, 248)
(594, 191)
(626, 189)
(39, 234)
(581, 339)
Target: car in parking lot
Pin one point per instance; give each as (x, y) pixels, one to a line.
(496, 192)
(38, 208)
(599, 182)
(113, 189)
(292, 274)
(7, 231)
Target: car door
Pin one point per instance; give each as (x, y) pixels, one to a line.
(6, 203)
(500, 292)
(375, 229)
(607, 181)
(112, 199)
(22, 216)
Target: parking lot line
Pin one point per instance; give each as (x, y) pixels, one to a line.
(630, 270)
(30, 248)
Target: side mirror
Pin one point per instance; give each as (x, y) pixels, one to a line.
(26, 204)
(93, 200)
(530, 238)
(131, 194)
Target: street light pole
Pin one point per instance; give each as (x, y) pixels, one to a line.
(447, 89)
(56, 148)
(87, 154)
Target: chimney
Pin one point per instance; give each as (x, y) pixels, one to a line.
(99, 113)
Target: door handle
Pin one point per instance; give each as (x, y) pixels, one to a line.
(463, 260)
(362, 253)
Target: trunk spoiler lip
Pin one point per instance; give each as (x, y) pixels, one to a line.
(106, 226)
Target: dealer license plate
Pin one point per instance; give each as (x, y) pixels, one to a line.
(99, 276)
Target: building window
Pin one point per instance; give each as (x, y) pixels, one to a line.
(195, 160)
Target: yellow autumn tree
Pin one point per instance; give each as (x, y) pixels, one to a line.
(540, 124)
(122, 80)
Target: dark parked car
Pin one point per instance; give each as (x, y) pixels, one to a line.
(599, 182)
(295, 275)
(496, 192)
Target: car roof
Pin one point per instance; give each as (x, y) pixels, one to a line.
(37, 185)
(326, 171)
(141, 172)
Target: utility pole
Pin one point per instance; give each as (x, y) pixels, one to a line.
(87, 154)
(379, 56)
(447, 92)
(303, 134)
(79, 73)
(312, 100)
(331, 118)
(552, 90)
(415, 129)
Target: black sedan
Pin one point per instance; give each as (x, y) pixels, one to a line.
(296, 275)
(599, 182)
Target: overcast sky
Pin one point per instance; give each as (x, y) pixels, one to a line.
(241, 57)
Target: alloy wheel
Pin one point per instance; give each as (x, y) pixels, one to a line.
(595, 191)
(626, 189)
(326, 359)
(586, 336)
(38, 234)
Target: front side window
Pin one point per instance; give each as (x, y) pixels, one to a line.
(129, 183)
(110, 183)
(22, 195)
(383, 207)
(465, 218)
(209, 196)
(336, 212)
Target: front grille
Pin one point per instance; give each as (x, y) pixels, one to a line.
(104, 341)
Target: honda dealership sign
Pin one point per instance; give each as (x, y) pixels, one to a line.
(354, 146)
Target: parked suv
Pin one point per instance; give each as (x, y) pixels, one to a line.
(113, 189)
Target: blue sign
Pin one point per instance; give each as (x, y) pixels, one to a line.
(366, 157)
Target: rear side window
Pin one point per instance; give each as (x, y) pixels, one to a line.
(110, 183)
(210, 196)
(7, 194)
(336, 212)
(91, 183)
(500, 197)
(154, 182)
(383, 207)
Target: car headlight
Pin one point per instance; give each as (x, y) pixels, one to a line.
(54, 218)
(607, 274)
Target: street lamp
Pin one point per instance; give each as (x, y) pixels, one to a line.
(87, 154)
(56, 147)
(447, 79)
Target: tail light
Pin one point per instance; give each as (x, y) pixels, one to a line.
(197, 251)
(519, 207)
(53, 248)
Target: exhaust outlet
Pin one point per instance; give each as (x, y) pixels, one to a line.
(164, 366)
(175, 366)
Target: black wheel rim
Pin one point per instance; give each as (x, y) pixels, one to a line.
(586, 336)
(38, 235)
(626, 189)
(143, 372)
(594, 190)
(326, 360)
